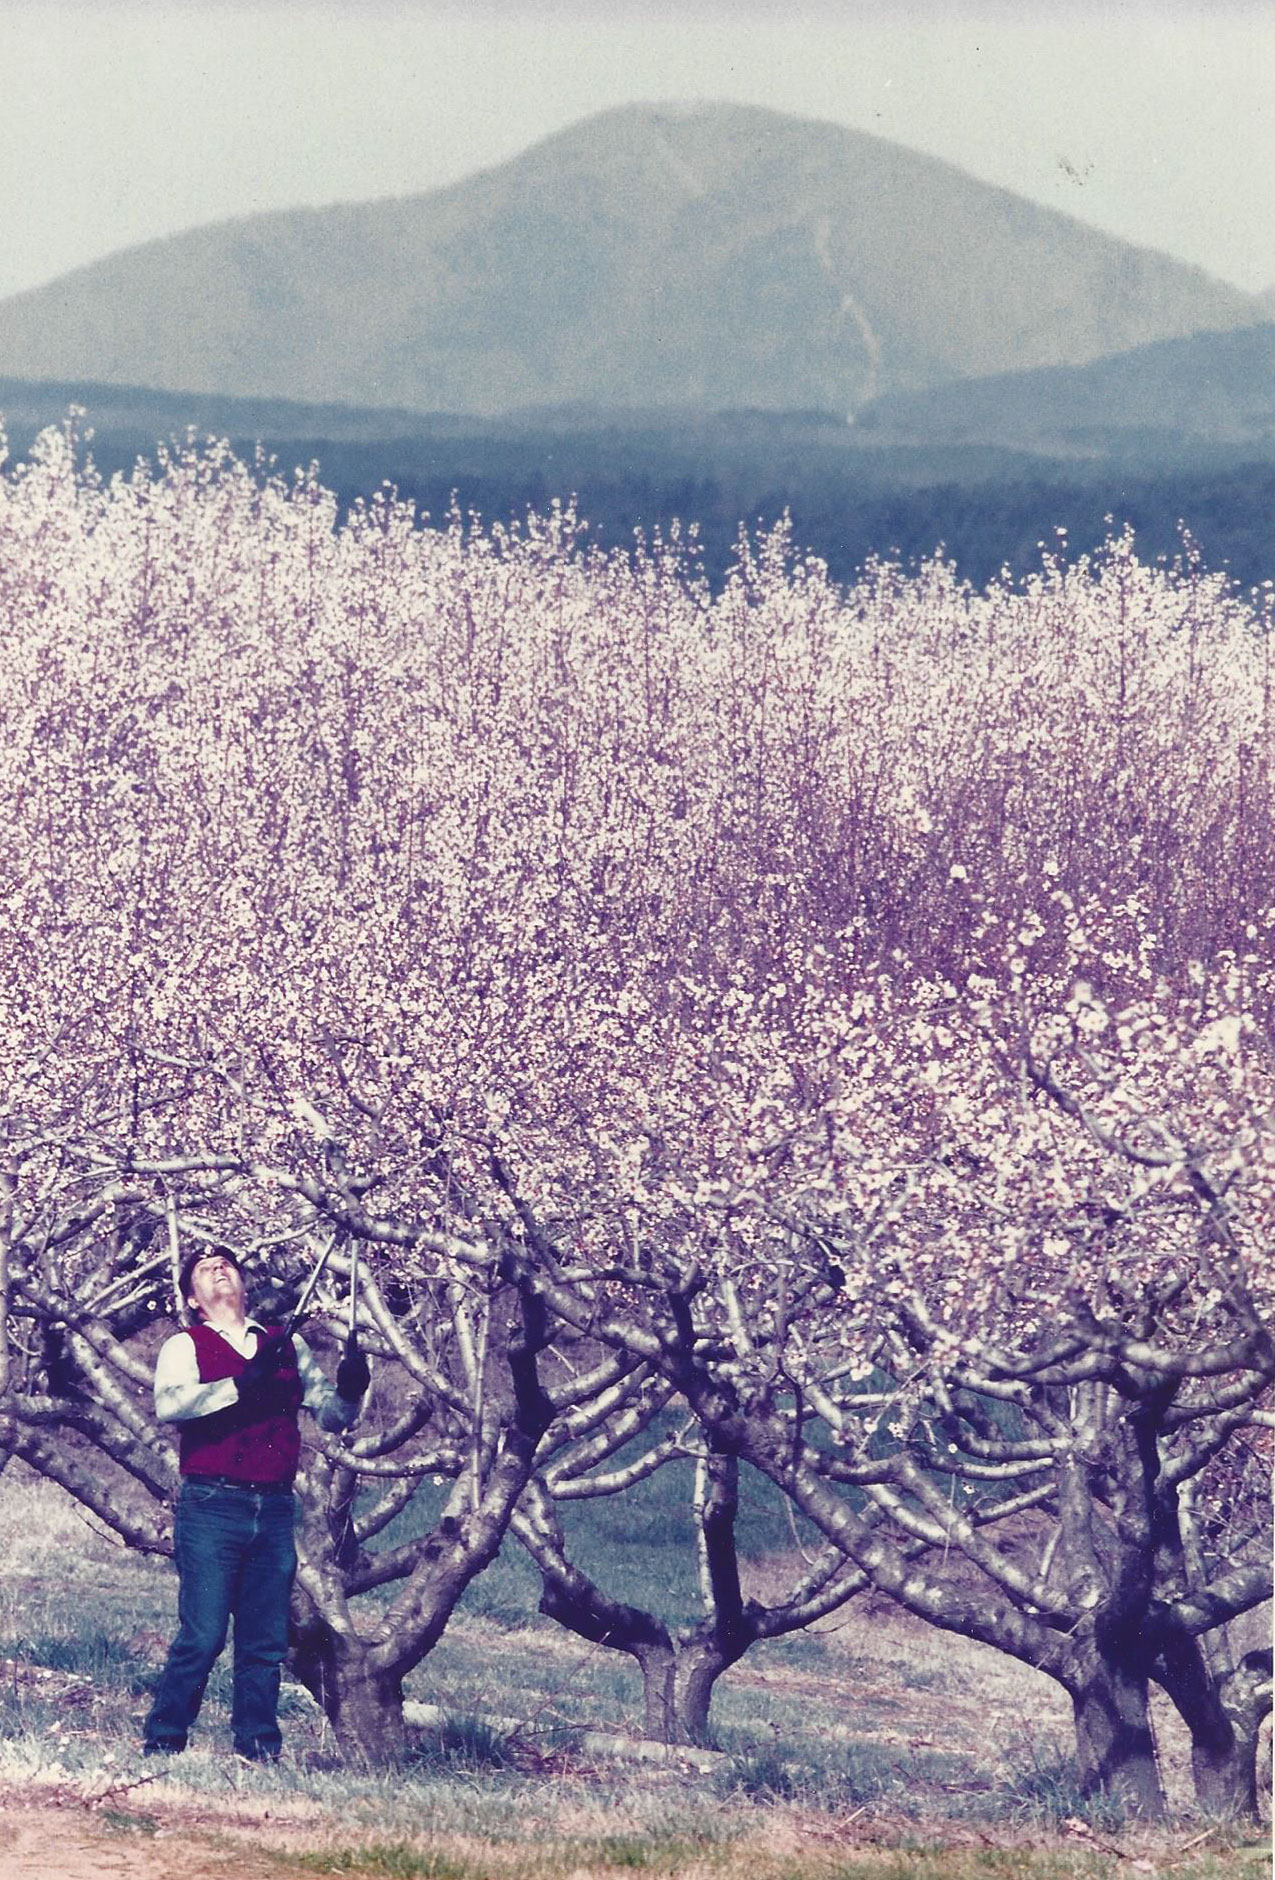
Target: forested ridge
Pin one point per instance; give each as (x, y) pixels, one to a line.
(849, 498)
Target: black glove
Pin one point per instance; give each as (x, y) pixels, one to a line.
(352, 1374)
(265, 1362)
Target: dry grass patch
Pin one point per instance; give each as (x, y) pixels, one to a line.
(159, 1832)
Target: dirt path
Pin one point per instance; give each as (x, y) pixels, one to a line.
(44, 1843)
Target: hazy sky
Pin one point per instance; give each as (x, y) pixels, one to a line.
(119, 122)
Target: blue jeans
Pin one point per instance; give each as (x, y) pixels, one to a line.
(235, 1558)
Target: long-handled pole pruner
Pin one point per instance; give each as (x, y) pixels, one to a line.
(354, 1292)
(175, 1257)
(307, 1291)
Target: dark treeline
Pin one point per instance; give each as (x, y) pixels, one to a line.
(849, 499)
(840, 509)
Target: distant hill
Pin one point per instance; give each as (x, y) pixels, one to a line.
(653, 256)
(849, 495)
(1167, 401)
(147, 416)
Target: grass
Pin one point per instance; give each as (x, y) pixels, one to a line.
(1044, 1788)
(125, 1821)
(464, 1744)
(869, 1749)
(599, 1857)
(854, 1774)
(395, 1860)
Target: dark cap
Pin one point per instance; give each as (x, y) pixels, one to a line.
(192, 1260)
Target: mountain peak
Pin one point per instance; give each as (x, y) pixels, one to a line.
(709, 254)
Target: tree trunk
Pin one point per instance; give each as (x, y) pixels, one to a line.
(1246, 1697)
(575, 1601)
(1224, 1769)
(1114, 1745)
(722, 1636)
(572, 1599)
(365, 1708)
(1219, 1751)
(658, 1669)
(700, 1666)
(1224, 1715)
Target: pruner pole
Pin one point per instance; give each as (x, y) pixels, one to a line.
(307, 1291)
(175, 1255)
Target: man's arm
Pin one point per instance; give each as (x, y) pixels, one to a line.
(331, 1410)
(179, 1393)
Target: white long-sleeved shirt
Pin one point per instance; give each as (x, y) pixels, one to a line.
(180, 1393)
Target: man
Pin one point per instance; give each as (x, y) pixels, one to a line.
(234, 1390)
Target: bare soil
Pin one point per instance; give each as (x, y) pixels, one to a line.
(44, 1842)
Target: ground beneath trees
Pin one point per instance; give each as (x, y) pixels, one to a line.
(49, 1843)
(48, 1840)
(947, 1724)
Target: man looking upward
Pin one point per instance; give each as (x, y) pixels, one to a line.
(234, 1389)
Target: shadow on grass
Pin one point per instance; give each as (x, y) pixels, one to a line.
(462, 1744)
(862, 1771)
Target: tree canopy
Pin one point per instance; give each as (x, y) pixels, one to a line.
(841, 1014)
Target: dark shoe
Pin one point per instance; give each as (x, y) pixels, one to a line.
(162, 1749)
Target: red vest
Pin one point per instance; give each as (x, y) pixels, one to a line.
(257, 1441)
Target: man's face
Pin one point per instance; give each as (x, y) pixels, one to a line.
(216, 1287)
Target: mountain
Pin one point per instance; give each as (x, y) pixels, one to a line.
(708, 256)
(1171, 400)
